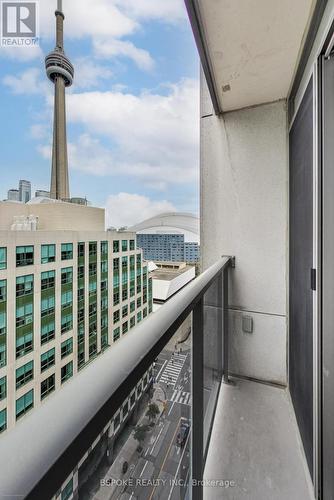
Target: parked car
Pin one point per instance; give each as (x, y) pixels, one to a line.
(125, 467)
(184, 431)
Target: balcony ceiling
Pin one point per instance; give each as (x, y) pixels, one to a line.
(254, 47)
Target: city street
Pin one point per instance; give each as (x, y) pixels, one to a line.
(161, 471)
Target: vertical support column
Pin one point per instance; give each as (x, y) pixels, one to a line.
(225, 325)
(197, 398)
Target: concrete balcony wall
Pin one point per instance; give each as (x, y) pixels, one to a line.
(244, 212)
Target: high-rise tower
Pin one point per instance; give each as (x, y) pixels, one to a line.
(60, 71)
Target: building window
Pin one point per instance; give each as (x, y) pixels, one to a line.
(67, 491)
(48, 254)
(48, 280)
(24, 256)
(48, 359)
(92, 288)
(124, 311)
(116, 334)
(132, 321)
(104, 248)
(47, 306)
(3, 320)
(125, 293)
(139, 302)
(81, 249)
(66, 251)
(66, 323)
(24, 404)
(124, 245)
(132, 244)
(92, 249)
(66, 348)
(48, 386)
(116, 265)
(47, 332)
(104, 321)
(66, 372)
(116, 316)
(24, 344)
(3, 388)
(81, 272)
(3, 420)
(92, 269)
(125, 327)
(2, 354)
(116, 246)
(116, 296)
(24, 374)
(3, 290)
(104, 303)
(66, 299)
(66, 275)
(3, 258)
(24, 285)
(132, 306)
(139, 317)
(104, 266)
(145, 312)
(24, 315)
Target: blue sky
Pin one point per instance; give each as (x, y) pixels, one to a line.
(132, 112)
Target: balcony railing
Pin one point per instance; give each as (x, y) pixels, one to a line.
(39, 454)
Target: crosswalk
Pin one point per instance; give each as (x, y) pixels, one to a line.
(181, 397)
(173, 368)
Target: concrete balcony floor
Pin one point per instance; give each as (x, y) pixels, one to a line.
(255, 442)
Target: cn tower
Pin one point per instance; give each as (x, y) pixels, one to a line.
(60, 71)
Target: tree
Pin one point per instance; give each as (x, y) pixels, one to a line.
(140, 433)
(152, 412)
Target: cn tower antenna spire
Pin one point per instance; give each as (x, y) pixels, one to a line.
(60, 71)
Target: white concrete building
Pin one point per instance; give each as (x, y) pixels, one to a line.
(168, 278)
(68, 291)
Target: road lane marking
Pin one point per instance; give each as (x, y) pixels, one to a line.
(145, 465)
(161, 369)
(155, 442)
(178, 468)
(170, 409)
(165, 459)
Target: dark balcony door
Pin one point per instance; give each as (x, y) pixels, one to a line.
(301, 261)
(328, 280)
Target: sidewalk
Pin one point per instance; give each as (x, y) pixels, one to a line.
(129, 453)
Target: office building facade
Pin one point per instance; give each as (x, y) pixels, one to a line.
(13, 195)
(25, 191)
(65, 297)
(168, 248)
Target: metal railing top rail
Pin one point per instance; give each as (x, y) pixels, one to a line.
(51, 440)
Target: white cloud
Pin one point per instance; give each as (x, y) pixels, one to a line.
(39, 131)
(110, 48)
(22, 54)
(89, 74)
(87, 18)
(108, 18)
(154, 137)
(125, 209)
(165, 10)
(27, 82)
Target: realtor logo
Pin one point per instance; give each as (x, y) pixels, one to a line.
(19, 23)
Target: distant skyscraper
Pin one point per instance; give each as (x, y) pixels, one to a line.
(167, 247)
(60, 71)
(40, 193)
(25, 191)
(13, 195)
